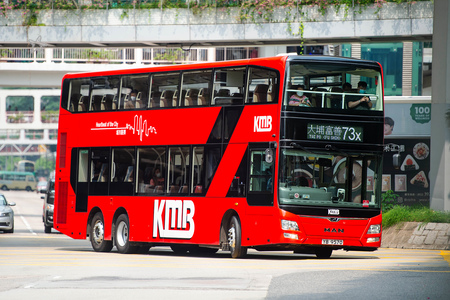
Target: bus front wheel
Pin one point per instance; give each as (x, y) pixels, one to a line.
(97, 235)
(234, 239)
(122, 234)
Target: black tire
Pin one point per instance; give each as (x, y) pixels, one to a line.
(234, 239)
(97, 234)
(29, 189)
(5, 188)
(47, 229)
(324, 253)
(122, 234)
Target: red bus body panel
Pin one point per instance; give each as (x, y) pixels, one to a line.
(261, 225)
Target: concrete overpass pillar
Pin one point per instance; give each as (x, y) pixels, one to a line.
(440, 109)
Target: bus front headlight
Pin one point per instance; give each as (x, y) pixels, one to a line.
(289, 225)
(374, 229)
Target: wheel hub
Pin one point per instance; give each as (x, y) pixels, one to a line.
(122, 233)
(98, 232)
(232, 237)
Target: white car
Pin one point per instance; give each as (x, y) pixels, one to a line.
(6, 215)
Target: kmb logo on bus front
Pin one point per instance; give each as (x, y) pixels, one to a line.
(262, 124)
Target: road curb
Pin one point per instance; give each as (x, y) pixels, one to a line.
(417, 235)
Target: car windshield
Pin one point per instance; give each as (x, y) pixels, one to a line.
(2, 200)
(341, 180)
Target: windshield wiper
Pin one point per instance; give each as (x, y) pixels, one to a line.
(295, 145)
(336, 149)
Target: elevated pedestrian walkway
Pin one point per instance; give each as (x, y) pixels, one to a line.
(217, 26)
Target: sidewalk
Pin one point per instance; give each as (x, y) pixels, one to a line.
(417, 235)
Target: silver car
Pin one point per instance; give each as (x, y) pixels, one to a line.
(6, 215)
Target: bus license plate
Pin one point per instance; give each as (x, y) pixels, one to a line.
(332, 242)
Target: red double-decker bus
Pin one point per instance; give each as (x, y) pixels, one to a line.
(279, 153)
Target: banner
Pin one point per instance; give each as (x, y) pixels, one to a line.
(407, 132)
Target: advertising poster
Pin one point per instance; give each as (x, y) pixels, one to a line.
(407, 133)
(411, 181)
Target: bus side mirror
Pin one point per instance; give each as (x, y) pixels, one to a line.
(396, 160)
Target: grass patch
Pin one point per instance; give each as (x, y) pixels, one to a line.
(399, 214)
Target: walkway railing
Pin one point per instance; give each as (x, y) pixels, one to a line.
(104, 55)
(151, 56)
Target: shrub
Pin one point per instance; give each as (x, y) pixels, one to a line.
(400, 213)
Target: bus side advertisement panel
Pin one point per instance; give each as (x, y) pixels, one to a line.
(161, 127)
(184, 220)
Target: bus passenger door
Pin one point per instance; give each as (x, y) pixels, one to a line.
(82, 177)
(260, 224)
(260, 190)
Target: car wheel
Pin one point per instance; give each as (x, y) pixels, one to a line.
(47, 229)
(97, 235)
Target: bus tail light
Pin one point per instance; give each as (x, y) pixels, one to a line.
(289, 225)
(374, 229)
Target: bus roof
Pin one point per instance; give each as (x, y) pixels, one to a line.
(223, 64)
(262, 61)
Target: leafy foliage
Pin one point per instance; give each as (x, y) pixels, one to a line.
(400, 213)
(388, 200)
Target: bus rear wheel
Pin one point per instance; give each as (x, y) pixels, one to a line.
(97, 234)
(122, 234)
(234, 239)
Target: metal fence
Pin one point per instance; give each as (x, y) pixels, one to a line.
(105, 55)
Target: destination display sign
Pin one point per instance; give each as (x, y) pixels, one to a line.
(338, 133)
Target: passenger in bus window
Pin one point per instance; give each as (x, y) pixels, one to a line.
(347, 87)
(158, 179)
(131, 103)
(299, 99)
(360, 103)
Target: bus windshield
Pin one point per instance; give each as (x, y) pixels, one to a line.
(333, 86)
(324, 179)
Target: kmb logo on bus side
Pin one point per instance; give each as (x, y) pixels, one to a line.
(179, 214)
(262, 124)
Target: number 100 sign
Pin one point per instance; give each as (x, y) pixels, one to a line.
(330, 132)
